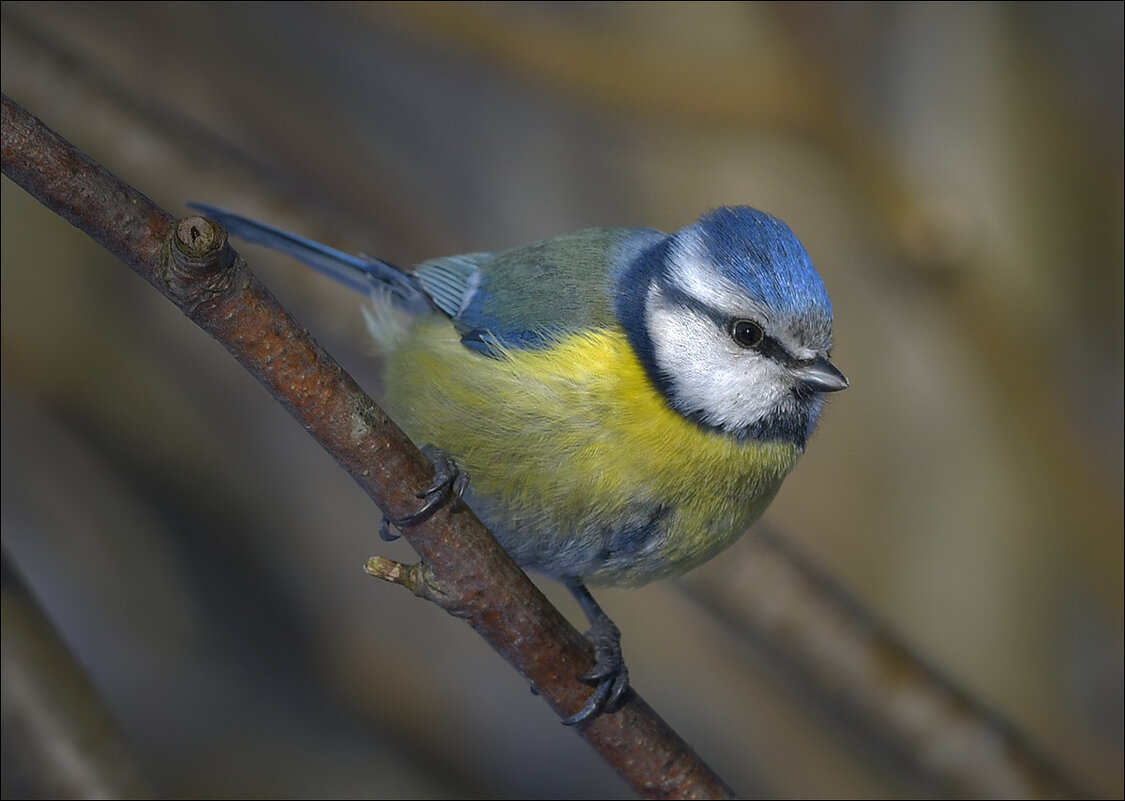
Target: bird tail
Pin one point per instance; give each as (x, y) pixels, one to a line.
(365, 274)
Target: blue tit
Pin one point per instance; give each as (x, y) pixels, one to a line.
(626, 401)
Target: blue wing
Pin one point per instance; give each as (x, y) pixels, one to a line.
(529, 296)
(521, 298)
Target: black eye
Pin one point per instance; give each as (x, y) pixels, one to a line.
(746, 333)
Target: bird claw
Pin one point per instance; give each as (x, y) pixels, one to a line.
(449, 484)
(610, 676)
(385, 532)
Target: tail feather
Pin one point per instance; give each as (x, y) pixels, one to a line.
(361, 273)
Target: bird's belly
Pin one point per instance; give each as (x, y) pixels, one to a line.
(642, 540)
(577, 464)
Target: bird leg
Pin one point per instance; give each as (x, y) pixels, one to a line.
(449, 484)
(610, 676)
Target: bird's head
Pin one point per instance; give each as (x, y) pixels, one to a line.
(734, 325)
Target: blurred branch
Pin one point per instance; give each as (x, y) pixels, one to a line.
(827, 643)
(181, 148)
(59, 740)
(615, 68)
(463, 569)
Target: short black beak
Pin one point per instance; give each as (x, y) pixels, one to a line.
(822, 376)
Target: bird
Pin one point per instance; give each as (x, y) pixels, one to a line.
(626, 401)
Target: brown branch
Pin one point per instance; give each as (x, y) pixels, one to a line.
(463, 569)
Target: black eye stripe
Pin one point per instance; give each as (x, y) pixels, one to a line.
(772, 349)
(768, 347)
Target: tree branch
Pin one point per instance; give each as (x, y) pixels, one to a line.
(463, 569)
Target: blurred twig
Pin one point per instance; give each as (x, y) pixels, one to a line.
(59, 740)
(180, 148)
(464, 570)
(825, 641)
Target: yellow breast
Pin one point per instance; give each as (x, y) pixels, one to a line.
(577, 462)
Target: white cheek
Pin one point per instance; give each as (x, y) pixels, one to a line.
(710, 375)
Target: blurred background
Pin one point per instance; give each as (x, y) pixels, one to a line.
(955, 170)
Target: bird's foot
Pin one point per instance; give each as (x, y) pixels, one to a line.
(610, 676)
(449, 485)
